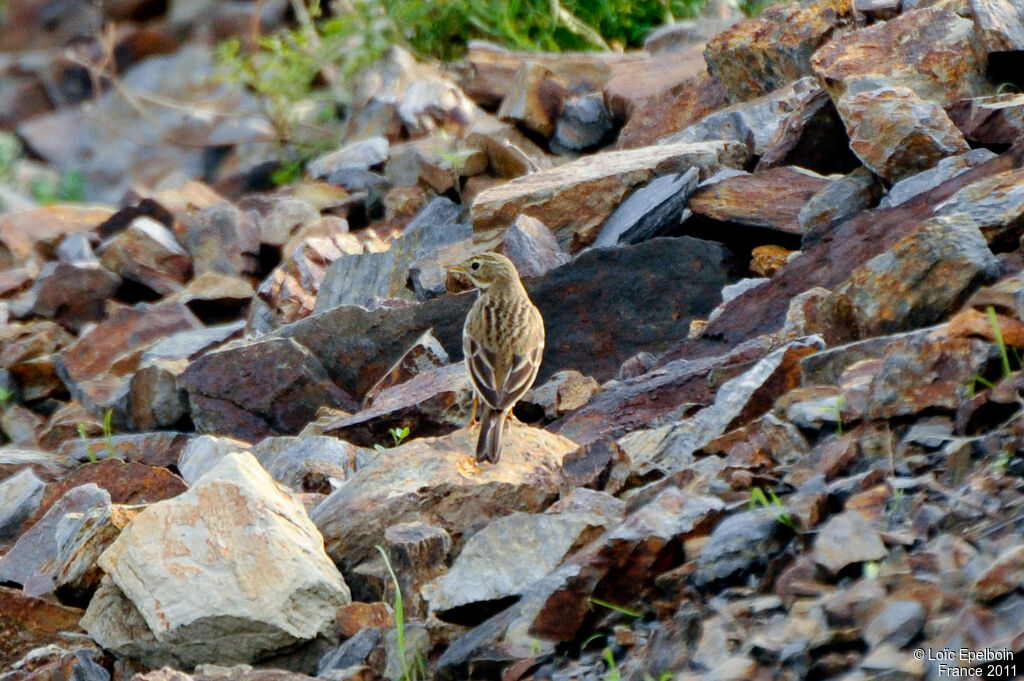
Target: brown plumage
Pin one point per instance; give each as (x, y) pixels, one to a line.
(503, 342)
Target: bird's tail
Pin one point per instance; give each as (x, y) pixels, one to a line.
(488, 445)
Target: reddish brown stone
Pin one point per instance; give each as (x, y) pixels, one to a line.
(932, 51)
(990, 120)
(357, 616)
(161, 449)
(636, 402)
(128, 483)
(27, 623)
(764, 53)
(768, 259)
(41, 229)
(771, 198)
(661, 117)
(637, 83)
(828, 261)
(575, 199)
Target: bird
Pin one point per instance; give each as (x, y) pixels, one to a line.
(502, 344)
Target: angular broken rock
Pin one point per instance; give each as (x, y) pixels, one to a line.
(147, 253)
(30, 623)
(252, 389)
(506, 556)
(310, 463)
(615, 567)
(846, 539)
(444, 488)
(896, 133)
(933, 51)
(671, 447)
(20, 495)
(995, 203)
(576, 198)
(666, 115)
(766, 52)
(653, 210)
(583, 124)
(839, 199)
(770, 198)
(220, 239)
(97, 368)
(72, 293)
(754, 123)
(369, 278)
(1000, 25)
(213, 597)
(998, 119)
(741, 543)
(946, 169)
(920, 280)
(435, 402)
(683, 275)
(33, 560)
(424, 354)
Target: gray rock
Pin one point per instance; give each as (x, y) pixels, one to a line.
(365, 648)
(71, 293)
(843, 197)
(896, 624)
(439, 489)
(671, 447)
(311, 463)
(508, 555)
(203, 453)
(75, 248)
(345, 163)
(221, 239)
(847, 539)
(944, 170)
(648, 292)
(369, 278)
(924, 277)
(740, 544)
(754, 123)
(653, 210)
(532, 247)
(231, 604)
(20, 495)
(584, 122)
(286, 217)
(999, 25)
(32, 561)
(252, 389)
(995, 204)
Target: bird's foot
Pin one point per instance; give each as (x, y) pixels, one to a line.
(467, 466)
(472, 415)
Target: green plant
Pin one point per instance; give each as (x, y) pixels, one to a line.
(398, 436)
(838, 407)
(83, 435)
(613, 670)
(894, 503)
(10, 152)
(70, 187)
(870, 569)
(758, 498)
(5, 396)
(617, 608)
(664, 676)
(997, 331)
(108, 433)
(417, 670)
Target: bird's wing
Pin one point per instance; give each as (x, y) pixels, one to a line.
(480, 361)
(520, 377)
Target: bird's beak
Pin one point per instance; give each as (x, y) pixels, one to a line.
(456, 268)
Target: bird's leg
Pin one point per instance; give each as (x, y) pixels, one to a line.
(472, 415)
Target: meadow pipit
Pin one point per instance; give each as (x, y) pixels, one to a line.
(503, 341)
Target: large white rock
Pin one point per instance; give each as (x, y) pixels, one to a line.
(227, 572)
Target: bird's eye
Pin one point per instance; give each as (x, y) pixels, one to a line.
(475, 266)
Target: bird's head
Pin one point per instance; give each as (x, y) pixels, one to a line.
(487, 269)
